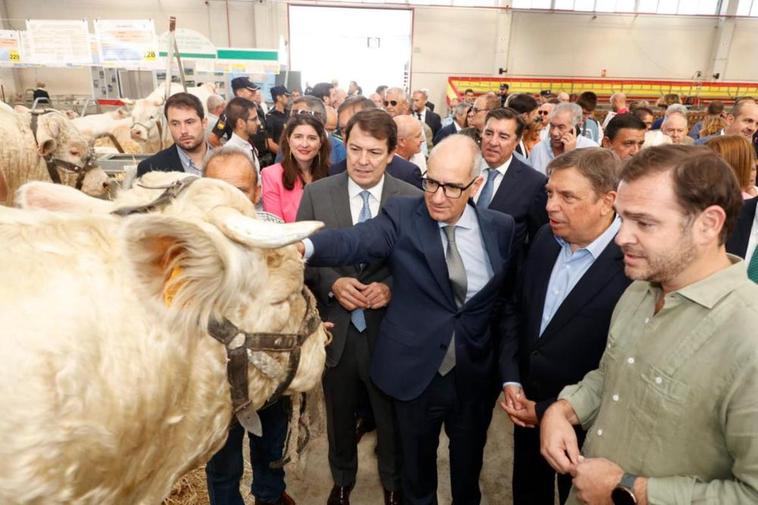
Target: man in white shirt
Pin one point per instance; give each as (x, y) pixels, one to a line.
(242, 116)
(410, 136)
(562, 137)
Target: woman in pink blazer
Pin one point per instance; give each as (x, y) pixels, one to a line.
(305, 158)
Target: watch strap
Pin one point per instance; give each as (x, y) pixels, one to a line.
(627, 481)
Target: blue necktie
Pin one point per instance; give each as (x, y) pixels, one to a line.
(357, 316)
(485, 197)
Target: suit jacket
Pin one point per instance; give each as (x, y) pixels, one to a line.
(397, 168)
(423, 315)
(164, 161)
(575, 338)
(738, 241)
(522, 195)
(434, 121)
(443, 132)
(326, 200)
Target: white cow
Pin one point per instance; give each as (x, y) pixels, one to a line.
(149, 125)
(26, 152)
(111, 387)
(97, 125)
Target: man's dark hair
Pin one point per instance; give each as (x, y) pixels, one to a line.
(184, 101)
(356, 102)
(522, 103)
(238, 108)
(623, 121)
(468, 90)
(599, 166)
(376, 123)
(587, 100)
(741, 104)
(640, 112)
(322, 90)
(716, 107)
(701, 178)
(507, 113)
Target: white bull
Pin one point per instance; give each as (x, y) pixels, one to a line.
(148, 123)
(110, 386)
(97, 125)
(23, 152)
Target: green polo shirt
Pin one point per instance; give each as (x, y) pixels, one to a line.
(675, 397)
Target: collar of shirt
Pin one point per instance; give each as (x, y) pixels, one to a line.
(467, 221)
(753, 239)
(457, 126)
(187, 163)
(236, 140)
(709, 291)
(597, 246)
(353, 190)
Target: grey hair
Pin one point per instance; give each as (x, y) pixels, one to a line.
(575, 112)
(676, 108)
(423, 92)
(461, 108)
(225, 152)
(399, 91)
(672, 113)
(213, 101)
(314, 104)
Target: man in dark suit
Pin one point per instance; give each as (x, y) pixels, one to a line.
(425, 114)
(353, 298)
(435, 354)
(744, 238)
(510, 185)
(557, 325)
(459, 122)
(186, 122)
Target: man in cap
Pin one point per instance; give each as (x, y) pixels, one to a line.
(277, 116)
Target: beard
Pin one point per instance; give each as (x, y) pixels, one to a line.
(660, 267)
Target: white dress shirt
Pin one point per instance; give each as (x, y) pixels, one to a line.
(501, 170)
(356, 201)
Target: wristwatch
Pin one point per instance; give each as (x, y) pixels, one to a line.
(623, 493)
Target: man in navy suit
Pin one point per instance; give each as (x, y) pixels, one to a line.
(424, 113)
(435, 354)
(557, 327)
(186, 122)
(510, 185)
(744, 238)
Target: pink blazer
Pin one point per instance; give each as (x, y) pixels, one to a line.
(276, 198)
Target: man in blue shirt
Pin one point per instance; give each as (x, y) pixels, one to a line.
(556, 326)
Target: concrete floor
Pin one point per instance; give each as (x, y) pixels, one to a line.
(310, 481)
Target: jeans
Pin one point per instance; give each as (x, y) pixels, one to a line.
(224, 470)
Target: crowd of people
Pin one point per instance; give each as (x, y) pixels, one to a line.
(590, 272)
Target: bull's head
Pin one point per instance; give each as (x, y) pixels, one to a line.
(146, 114)
(205, 258)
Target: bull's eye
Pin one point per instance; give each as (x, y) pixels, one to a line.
(74, 152)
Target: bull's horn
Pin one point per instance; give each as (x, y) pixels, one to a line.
(258, 233)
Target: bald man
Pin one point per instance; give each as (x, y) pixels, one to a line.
(410, 137)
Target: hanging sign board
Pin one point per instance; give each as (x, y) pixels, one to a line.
(10, 47)
(126, 43)
(58, 42)
(191, 44)
(249, 61)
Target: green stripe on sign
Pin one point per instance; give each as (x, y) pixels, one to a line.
(244, 54)
(197, 56)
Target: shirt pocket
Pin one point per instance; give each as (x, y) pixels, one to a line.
(662, 403)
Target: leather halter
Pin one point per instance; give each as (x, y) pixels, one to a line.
(171, 191)
(53, 164)
(239, 342)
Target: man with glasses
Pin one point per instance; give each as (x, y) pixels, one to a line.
(353, 297)
(396, 102)
(435, 354)
(242, 116)
(478, 113)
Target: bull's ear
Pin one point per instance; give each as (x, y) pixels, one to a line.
(175, 263)
(59, 198)
(48, 130)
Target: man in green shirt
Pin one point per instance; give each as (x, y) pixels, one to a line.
(672, 410)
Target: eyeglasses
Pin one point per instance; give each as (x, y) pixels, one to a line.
(543, 112)
(449, 190)
(391, 102)
(474, 110)
(306, 112)
(253, 119)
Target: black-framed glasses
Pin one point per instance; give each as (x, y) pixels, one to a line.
(448, 189)
(391, 102)
(543, 112)
(474, 110)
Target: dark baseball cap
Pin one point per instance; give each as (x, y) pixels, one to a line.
(279, 91)
(244, 82)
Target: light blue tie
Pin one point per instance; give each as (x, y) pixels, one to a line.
(357, 316)
(485, 197)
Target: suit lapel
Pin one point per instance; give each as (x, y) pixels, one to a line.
(431, 245)
(507, 185)
(388, 190)
(540, 284)
(489, 236)
(340, 201)
(598, 275)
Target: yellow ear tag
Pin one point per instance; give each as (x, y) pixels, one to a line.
(171, 288)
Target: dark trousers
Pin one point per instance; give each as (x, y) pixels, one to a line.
(533, 477)
(224, 470)
(342, 386)
(419, 421)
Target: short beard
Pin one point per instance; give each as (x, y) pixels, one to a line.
(663, 268)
